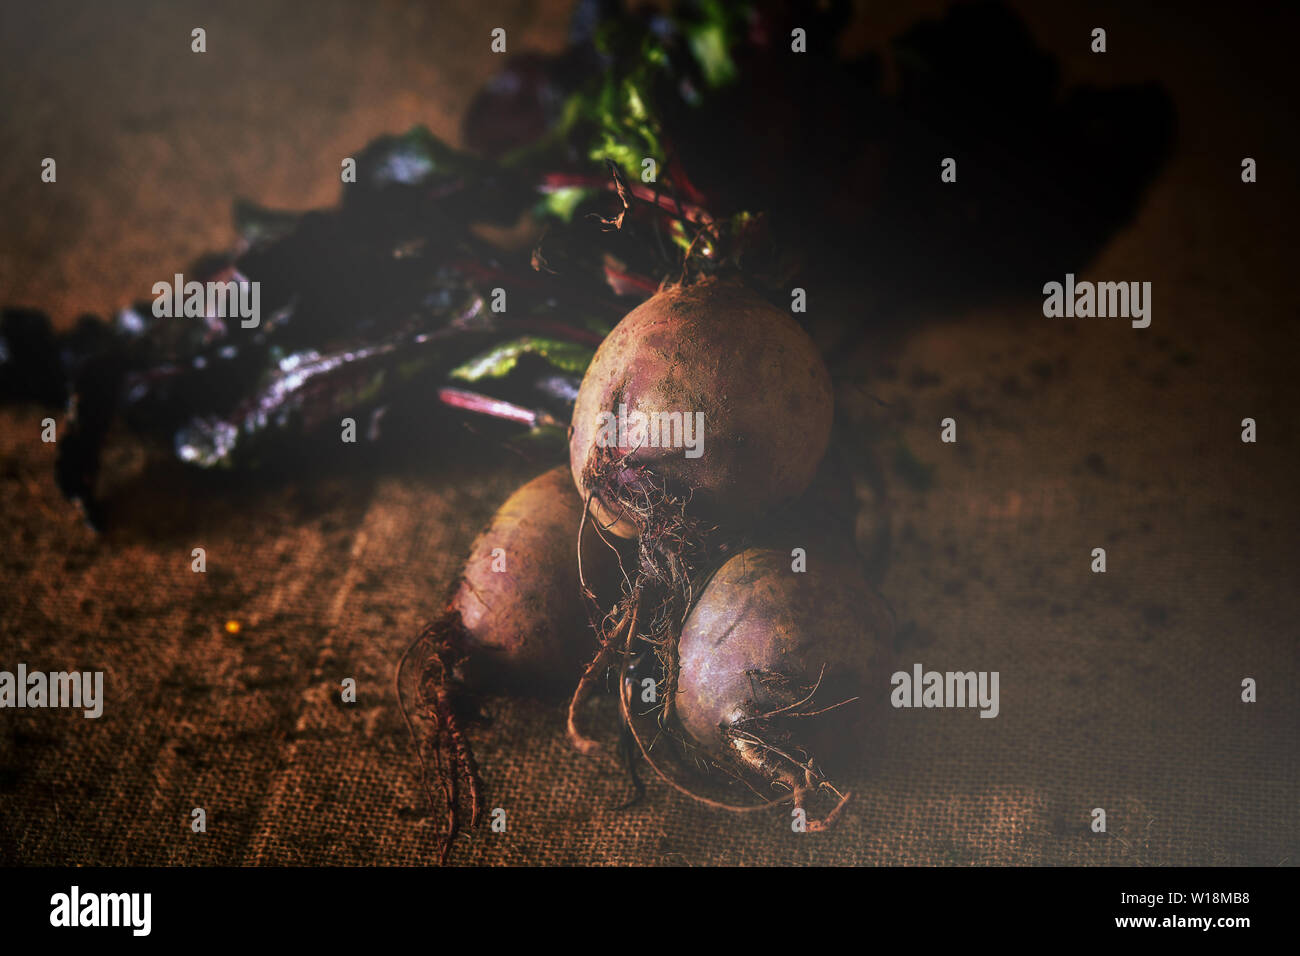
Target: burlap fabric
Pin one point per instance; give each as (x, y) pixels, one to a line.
(1119, 691)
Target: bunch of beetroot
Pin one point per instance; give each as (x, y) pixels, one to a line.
(724, 594)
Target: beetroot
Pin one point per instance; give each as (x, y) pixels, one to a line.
(715, 354)
(525, 628)
(516, 622)
(776, 667)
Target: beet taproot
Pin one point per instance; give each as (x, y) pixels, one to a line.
(516, 622)
(519, 600)
(777, 669)
(711, 363)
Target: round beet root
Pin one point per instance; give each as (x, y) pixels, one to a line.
(775, 667)
(519, 599)
(736, 404)
(517, 621)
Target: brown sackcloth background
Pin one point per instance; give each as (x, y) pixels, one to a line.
(1118, 691)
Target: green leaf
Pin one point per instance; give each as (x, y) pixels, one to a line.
(709, 46)
(562, 202)
(500, 360)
